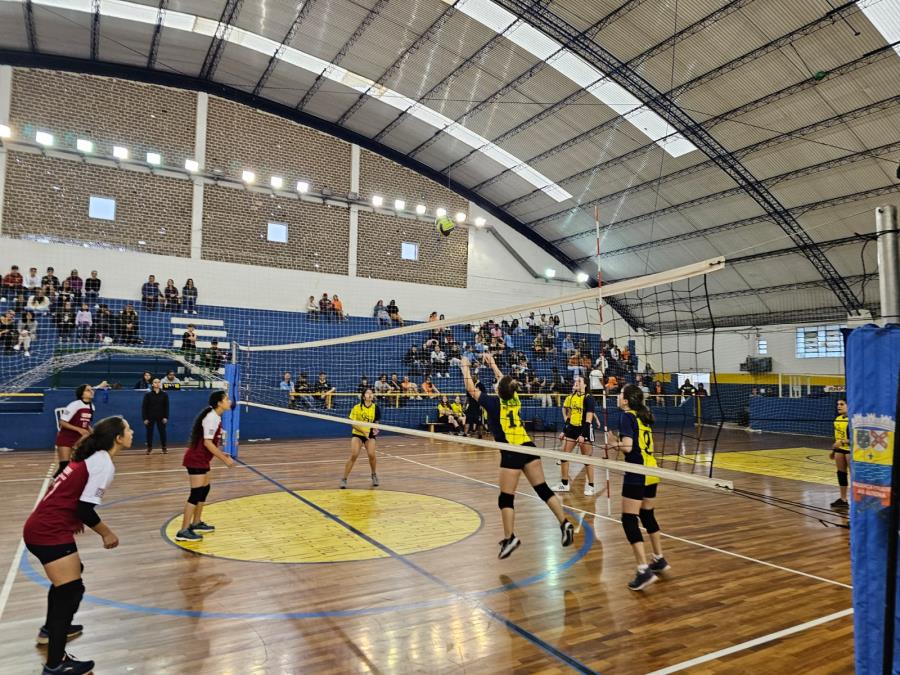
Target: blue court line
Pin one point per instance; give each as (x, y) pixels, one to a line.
(531, 637)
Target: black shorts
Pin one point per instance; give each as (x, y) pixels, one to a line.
(638, 490)
(585, 431)
(364, 438)
(571, 432)
(510, 459)
(48, 554)
(842, 451)
(193, 471)
(443, 419)
(473, 416)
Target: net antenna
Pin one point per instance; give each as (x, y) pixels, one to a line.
(605, 415)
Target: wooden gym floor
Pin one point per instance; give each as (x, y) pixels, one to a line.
(404, 578)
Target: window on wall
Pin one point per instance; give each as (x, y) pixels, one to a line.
(277, 233)
(820, 342)
(409, 251)
(102, 208)
(762, 346)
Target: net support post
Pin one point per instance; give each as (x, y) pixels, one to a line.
(231, 420)
(888, 262)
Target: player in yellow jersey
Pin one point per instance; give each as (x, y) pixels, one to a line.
(445, 414)
(458, 412)
(840, 453)
(505, 422)
(363, 436)
(578, 411)
(638, 490)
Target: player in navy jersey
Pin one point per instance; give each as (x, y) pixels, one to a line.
(50, 530)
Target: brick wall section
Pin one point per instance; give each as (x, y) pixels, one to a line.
(239, 137)
(49, 197)
(108, 111)
(379, 175)
(442, 260)
(235, 226)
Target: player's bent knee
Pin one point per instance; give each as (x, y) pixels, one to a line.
(630, 524)
(648, 520)
(543, 491)
(506, 501)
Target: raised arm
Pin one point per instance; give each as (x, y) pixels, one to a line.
(471, 389)
(489, 360)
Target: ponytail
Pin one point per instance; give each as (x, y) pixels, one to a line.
(197, 428)
(103, 437)
(634, 396)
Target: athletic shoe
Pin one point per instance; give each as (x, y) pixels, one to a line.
(563, 487)
(840, 504)
(74, 631)
(203, 528)
(70, 666)
(642, 580)
(343, 483)
(588, 490)
(165, 451)
(27, 353)
(507, 546)
(375, 480)
(188, 535)
(659, 566)
(568, 533)
(17, 348)
(149, 450)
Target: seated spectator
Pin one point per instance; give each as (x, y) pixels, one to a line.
(455, 354)
(613, 351)
(574, 364)
(84, 324)
(515, 328)
(458, 411)
(480, 347)
(171, 381)
(51, 280)
(612, 385)
(92, 288)
(312, 308)
(27, 333)
(146, 381)
(596, 380)
(445, 415)
(64, 295)
(395, 388)
(302, 391)
(12, 284)
(429, 389)
(439, 362)
(19, 304)
(150, 293)
(323, 390)
(538, 346)
(32, 282)
(104, 322)
(129, 326)
(413, 361)
(380, 314)
(189, 297)
(363, 385)
(171, 301)
(325, 307)
(433, 316)
(337, 306)
(9, 334)
(382, 386)
(701, 390)
(65, 322)
(76, 285)
(410, 389)
(568, 346)
(659, 394)
(286, 384)
(394, 312)
(558, 384)
(531, 324)
(189, 342)
(210, 358)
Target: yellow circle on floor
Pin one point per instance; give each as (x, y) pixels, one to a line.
(280, 528)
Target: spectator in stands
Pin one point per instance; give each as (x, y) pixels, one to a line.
(410, 389)
(429, 389)
(537, 346)
(413, 361)
(50, 279)
(84, 324)
(31, 282)
(394, 312)
(596, 379)
(659, 394)
(189, 342)
(612, 385)
(325, 307)
(92, 288)
(302, 391)
(395, 388)
(129, 326)
(454, 355)
(146, 381)
(558, 384)
(363, 385)
(701, 390)
(380, 313)
(686, 389)
(531, 324)
(12, 283)
(433, 316)
(613, 351)
(155, 413)
(171, 301)
(171, 382)
(65, 322)
(312, 308)
(150, 293)
(439, 362)
(104, 324)
(568, 346)
(337, 306)
(323, 390)
(210, 358)
(19, 303)
(189, 297)
(8, 331)
(286, 384)
(382, 386)
(64, 294)
(27, 333)
(445, 415)
(76, 285)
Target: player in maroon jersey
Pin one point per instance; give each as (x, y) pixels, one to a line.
(206, 434)
(50, 530)
(75, 423)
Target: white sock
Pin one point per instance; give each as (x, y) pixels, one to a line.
(656, 557)
(641, 569)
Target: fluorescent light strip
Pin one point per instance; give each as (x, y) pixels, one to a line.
(572, 66)
(492, 15)
(885, 16)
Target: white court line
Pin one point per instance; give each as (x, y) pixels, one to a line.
(14, 565)
(771, 637)
(669, 536)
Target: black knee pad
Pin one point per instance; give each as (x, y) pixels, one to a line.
(196, 496)
(842, 478)
(68, 597)
(630, 524)
(543, 491)
(648, 520)
(205, 489)
(506, 501)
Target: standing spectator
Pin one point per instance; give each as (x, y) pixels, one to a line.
(413, 362)
(701, 390)
(146, 381)
(38, 303)
(50, 279)
(210, 358)
(312, 309)
(686, 390)
(8, 332)
(380, 313)
(84, 323)
(150, 293)
(338, 308)
(103, 325)
(171, 382)
(27, 332)
(32, 282)
(155, 413)
(323, 390)
(65, 322)
(171, 301)
(189, 342)
(92, 288)
(363, 385)
(76, 285)
(596, 380)
(394, 312)
(189, 297)
(129, 326)
(325, 307)
(12, 283)
(286, 384)
(302, 391)
(659, 394)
